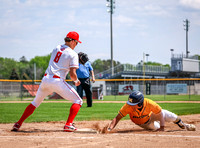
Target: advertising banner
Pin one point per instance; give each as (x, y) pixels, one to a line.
(176, 88)
(128, 88)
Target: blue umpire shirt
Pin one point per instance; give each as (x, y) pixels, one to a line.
(84, 70)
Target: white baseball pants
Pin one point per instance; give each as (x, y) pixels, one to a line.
(60, 86)
(154, 124)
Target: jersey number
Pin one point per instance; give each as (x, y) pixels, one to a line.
(58, 55)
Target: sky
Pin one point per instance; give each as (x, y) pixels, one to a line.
(35, 27)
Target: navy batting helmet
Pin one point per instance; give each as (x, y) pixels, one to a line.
(135, 98)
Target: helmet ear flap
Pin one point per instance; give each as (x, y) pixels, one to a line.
(140, 104)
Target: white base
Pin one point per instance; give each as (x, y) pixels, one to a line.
(86, 130)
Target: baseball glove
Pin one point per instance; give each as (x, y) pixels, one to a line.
(83, 57)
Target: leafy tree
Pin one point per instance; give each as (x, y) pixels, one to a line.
(6, 67)
(102, 65)
(14, 75)
(155, 64)
(25, 69)
(23, 59)
(197, 56)
(97, 65)
(41, 64)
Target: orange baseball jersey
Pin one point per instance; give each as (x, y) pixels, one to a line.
(143, 116)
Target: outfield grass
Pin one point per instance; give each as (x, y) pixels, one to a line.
(11, 112)
(156, 97)
(121, 98)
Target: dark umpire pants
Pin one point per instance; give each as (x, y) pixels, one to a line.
(86, 86)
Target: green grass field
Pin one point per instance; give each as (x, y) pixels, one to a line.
(11, 112)
(157, 97)
(123, 98)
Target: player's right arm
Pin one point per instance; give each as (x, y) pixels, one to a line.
(73, 76)
(114, 122)
(73, 67)
(122, 113)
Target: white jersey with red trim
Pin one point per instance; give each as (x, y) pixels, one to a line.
(62, 59)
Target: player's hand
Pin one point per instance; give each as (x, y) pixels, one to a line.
(77, 83)
(109, 129)
(93, 80)
(106, 129)
(162, 128)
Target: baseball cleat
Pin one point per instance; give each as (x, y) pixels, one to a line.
(16, 127)
(70, 128)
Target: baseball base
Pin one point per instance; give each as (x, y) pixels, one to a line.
(86, 130)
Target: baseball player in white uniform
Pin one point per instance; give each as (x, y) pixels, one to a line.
(63, 60)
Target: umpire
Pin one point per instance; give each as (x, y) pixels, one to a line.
(83, 74)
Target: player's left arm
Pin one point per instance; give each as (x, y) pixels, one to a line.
(91, 71)
(73, 67)
(92, 74)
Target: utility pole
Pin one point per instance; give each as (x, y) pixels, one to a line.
(171, 52)
(147, 57)
(186, 29)
(111, 6)
(35, 72)
(143, 69)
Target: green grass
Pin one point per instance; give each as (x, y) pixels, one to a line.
(157, 97)
(11, 112)
(122, 98)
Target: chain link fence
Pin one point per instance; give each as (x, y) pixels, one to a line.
(27, 89)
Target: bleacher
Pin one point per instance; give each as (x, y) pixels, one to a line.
(135, 71)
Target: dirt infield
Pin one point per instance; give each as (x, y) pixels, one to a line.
(126, 134)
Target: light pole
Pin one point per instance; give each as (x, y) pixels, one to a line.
(186, 30)
(143, 65)
(144, 55)
(143, 72)
(171, 52)
(147, 56)
(35, 73)
(111, 6)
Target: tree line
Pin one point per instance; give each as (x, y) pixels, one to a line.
(24, 69)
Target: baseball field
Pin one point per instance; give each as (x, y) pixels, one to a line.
(44, 127)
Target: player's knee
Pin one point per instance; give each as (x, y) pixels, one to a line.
(169, 116)
(78, 101)
(81, 102)
(35, 104)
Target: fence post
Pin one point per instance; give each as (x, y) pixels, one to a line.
(164, 89)
(115, 91)
(21, 87)
(189, 89)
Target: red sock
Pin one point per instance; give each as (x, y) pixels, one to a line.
(73, 112)
(28, 111)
